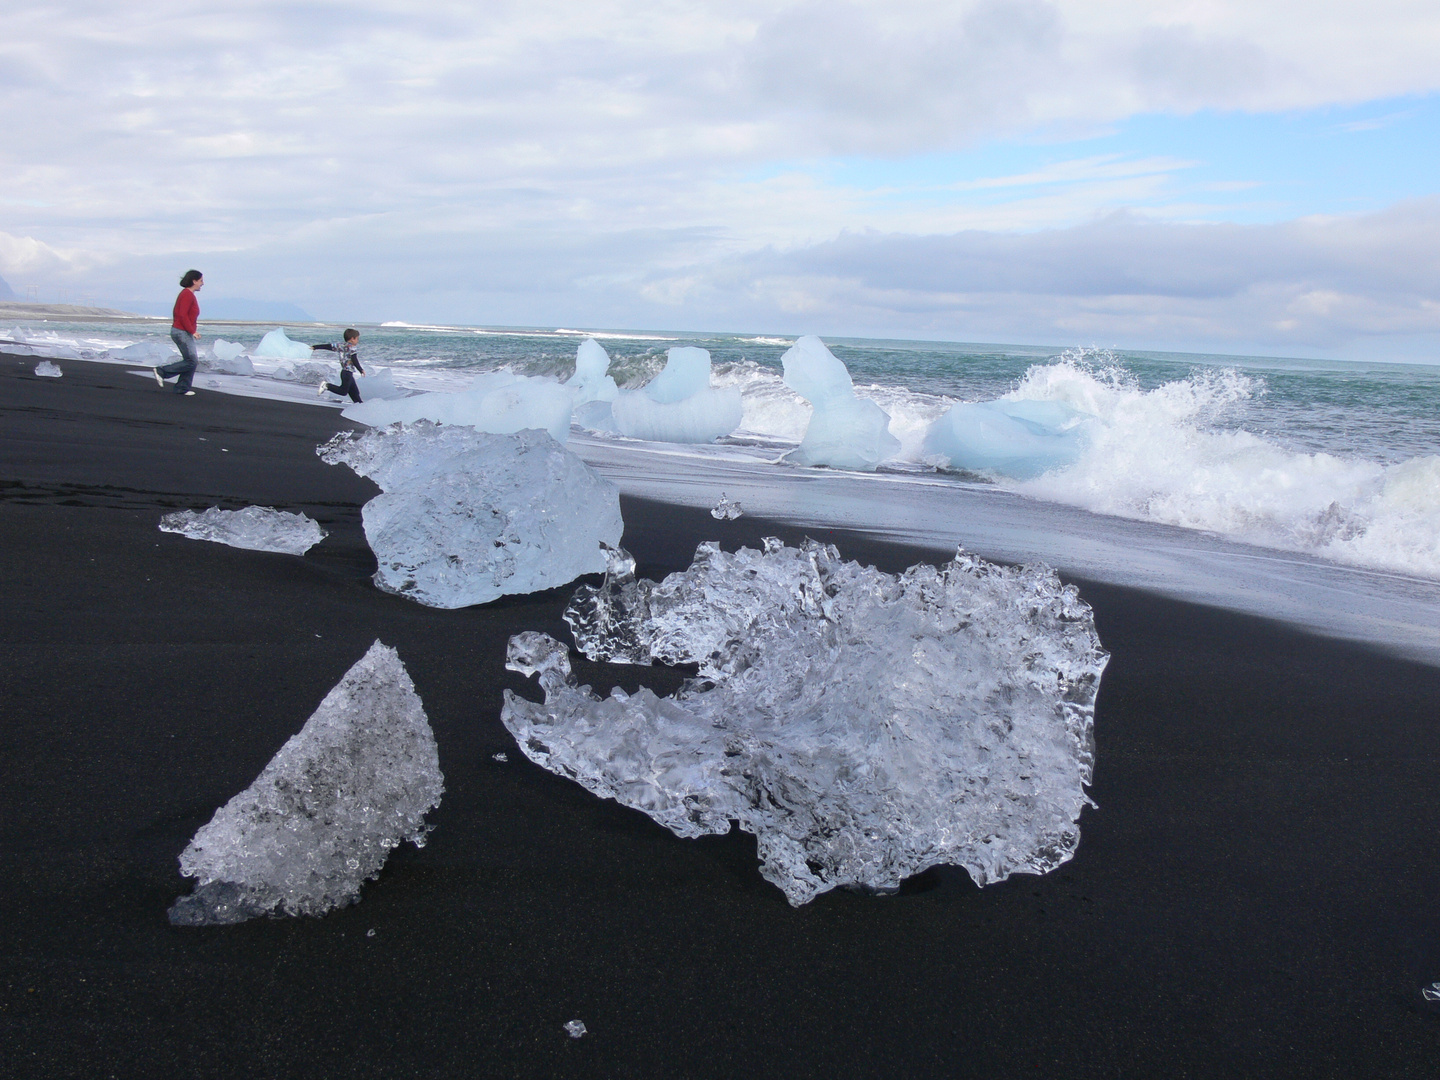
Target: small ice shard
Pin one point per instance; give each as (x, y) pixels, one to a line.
(845, 431)
(502, 758)
(1431, 992)
(575, 1029)
(863, 726)
(725, 510)
(499, 402)
(321, 818)
(467, 516)
(255, 528)
(275, 345)
(679, 405)
(1020, 439)
(370, 932)
(46, 370)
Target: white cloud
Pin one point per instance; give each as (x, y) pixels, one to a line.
(23, 257)
(1363, 285)
(555, 161)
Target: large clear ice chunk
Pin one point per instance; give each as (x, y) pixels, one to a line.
(863, 726)
(255, 528)
(322, 817)
(466, 516)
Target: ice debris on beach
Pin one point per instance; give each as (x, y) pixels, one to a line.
(1431, 992)
(322, 817)
(150, 351)
(592, 381)
(276, 345)
(725, 509)
(227, 358)
(498, 402)
(679, 405)
(309, 372)
(594, 389)
(46, 370)
(1020, 439)
(845, 431)
(575, 1028)
(467, 516)
(255, 528)
(226, 350)
(863, 726)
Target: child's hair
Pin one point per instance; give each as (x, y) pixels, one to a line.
(352, 335)
(191, 276)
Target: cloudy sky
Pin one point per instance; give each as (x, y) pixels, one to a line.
(1237, 175)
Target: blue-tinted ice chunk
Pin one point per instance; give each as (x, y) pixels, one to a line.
(1019, 439)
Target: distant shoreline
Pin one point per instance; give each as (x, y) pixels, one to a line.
(9, 309)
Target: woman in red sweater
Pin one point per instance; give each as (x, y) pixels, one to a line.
(183, 333)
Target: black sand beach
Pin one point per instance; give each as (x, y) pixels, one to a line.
(1258, 893)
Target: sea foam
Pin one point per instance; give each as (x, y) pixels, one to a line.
(1169, 455)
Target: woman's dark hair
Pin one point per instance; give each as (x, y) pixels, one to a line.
(351, 335)
(191, 276)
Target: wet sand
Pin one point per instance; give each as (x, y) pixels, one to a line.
(1258, 893)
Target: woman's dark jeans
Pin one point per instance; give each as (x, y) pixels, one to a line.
(185, 366)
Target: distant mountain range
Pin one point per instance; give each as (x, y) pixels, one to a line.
(6, 293)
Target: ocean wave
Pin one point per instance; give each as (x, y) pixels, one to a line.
(1167, 455)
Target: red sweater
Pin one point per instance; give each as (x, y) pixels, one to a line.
(187, 310)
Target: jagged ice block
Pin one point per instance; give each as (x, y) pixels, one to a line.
(466, 516)
(863, 726)
(322, 817)
(255, 528)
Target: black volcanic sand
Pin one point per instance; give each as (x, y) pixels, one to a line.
(1257, 895)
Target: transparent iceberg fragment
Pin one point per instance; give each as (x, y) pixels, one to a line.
(725, 510)
(499, 402)
(227, 358)
(678, 405)
(277, 345)
(1020, 439)
(150, 351)
(46, 370)
(575, 1028)
(226, 350)
(466, 516)
(255, 528)
(863, 726)
(308, 372)
(1431, 992)
(323, 815)
(845, 431)
(592, 381)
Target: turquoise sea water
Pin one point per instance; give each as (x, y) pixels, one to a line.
(1336, 459)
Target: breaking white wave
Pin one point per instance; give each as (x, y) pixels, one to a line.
(1166, 455)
